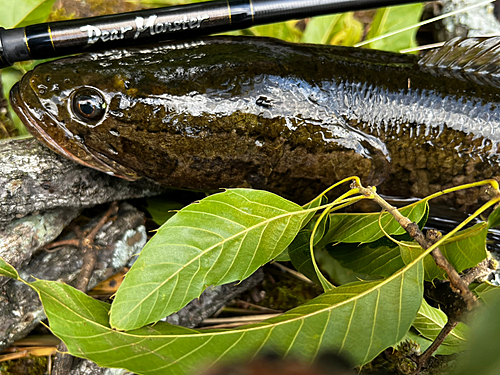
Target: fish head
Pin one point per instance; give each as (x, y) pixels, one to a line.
(69, 113)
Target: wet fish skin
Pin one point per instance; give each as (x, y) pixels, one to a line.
(290, 118)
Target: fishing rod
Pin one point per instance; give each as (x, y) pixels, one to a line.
(53, 39)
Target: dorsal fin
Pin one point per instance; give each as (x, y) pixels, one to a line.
(471, 59)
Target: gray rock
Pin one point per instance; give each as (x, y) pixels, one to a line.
(479, 21)
(33, 178)
(119, 240)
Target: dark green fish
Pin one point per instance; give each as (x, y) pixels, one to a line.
(262, 113)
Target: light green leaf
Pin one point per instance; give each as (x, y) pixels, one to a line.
(319, 29)
(430, 321)
(337, 29)
(486, 292)
(7, 270)
(494, 218)
(410, 250)
(391, 19)
(380, 258)
(357, 228)
(349, 33)
(283, 30)
(9, 76)
(26, 10)
(463, 250)
(223, 238)
(361, 318)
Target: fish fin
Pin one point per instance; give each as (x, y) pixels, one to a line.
(472, 59)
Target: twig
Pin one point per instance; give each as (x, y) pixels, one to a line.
(63, 361)
(294, 273)
(422, 359)
(457, 284)
(240, 319)
(90, 251)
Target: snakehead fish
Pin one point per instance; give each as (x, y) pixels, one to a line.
(262, 113)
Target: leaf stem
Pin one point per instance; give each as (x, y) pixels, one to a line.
(355, 179)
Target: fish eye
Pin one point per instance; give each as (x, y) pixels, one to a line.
(88, 105)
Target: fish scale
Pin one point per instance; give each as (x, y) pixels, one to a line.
(258, 112)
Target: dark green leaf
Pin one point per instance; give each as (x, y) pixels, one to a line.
(357, 228)
(337, 274)
(379, 258)
(161, 210)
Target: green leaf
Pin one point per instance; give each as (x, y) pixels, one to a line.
(379, 258)
(494, 218)
(24, 12)
(223, 238)
(392, 19)
(425, 343)
(337, 29)
(283, 257)
(410, 250)
(320, 29)
(482, 357)
(486, 292)
(9, 76)
(7, 270)
(463, 250)
(299, 250)
(349, 33)
(161, 210)
(283, 30)
(430, 321)
(357, 228)
(300, 255)
(361, 318)
(466, 248)
(337, 274)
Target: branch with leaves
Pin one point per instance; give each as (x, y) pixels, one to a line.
(372, 271)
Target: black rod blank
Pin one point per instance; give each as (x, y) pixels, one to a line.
(47, 40)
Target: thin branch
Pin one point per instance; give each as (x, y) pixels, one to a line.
(90, 251)
(457, 284)
(422, 359)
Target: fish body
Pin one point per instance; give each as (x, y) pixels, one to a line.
(262, 113)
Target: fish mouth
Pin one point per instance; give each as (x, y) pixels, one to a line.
(37, 121)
